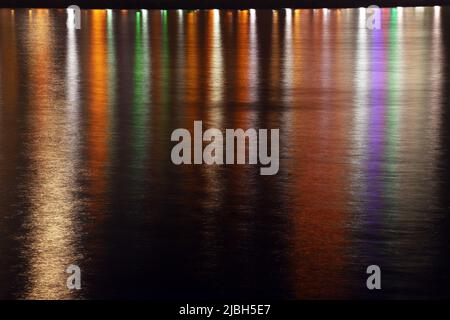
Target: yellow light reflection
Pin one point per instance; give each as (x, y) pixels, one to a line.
(253, 56)
(243, 60)
(97, 137)
(53, 233)
(216, 58)
(288, 63)
(192, 94)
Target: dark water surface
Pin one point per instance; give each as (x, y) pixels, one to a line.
(86, 176)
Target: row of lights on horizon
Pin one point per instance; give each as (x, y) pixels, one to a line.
(286, 9)
(251, 11)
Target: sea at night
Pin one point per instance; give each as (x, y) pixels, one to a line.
(86, 118)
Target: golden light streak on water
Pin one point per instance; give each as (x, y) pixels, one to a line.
(192, 59)
(98, 108)
(253, 55)
(275, 72)
(242, 58)
(216, 67)
(288, 59)
(52, 232)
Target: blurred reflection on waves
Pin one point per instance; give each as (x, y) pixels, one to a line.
(86, 117)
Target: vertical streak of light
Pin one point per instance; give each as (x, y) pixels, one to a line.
(400, 16)
(394, 85)
(73, 90)
(181, 61)
(165, 59)
(326, 49)
(51, 246)
(287, 60)
(291, 116)
(70, 16)
(326, 66)
(146, 56)
(112, 67)
(436, 69)
(436, 81)
(97, 129)
(213, 200)
(216, 63)
(243, 116)
(362, 17)
(73, 115)
(326, 14)
(417, 76)
(419, 140)
(361, 88)
(289, 68)
(112, 83)
(253, 56)
(9, 65)
(140, 96)
(297, 62)
(192, 65)
(242, 83)
(275, 60)
(376, 130)
(437, 116)
(360, 115)
(312, 174)
(216, 72)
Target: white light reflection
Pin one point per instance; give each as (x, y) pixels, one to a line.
(400, 16)
(361, 85)
(72, 67)
(252, 15)
(253, 62)
(146, 57)
(288, 66)
(436, 75)
(52, 220)
(216, 59)
(112, 81)
(326, 16)
(216, 15)
(70, 18)
(362, 17)
(181, 60)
